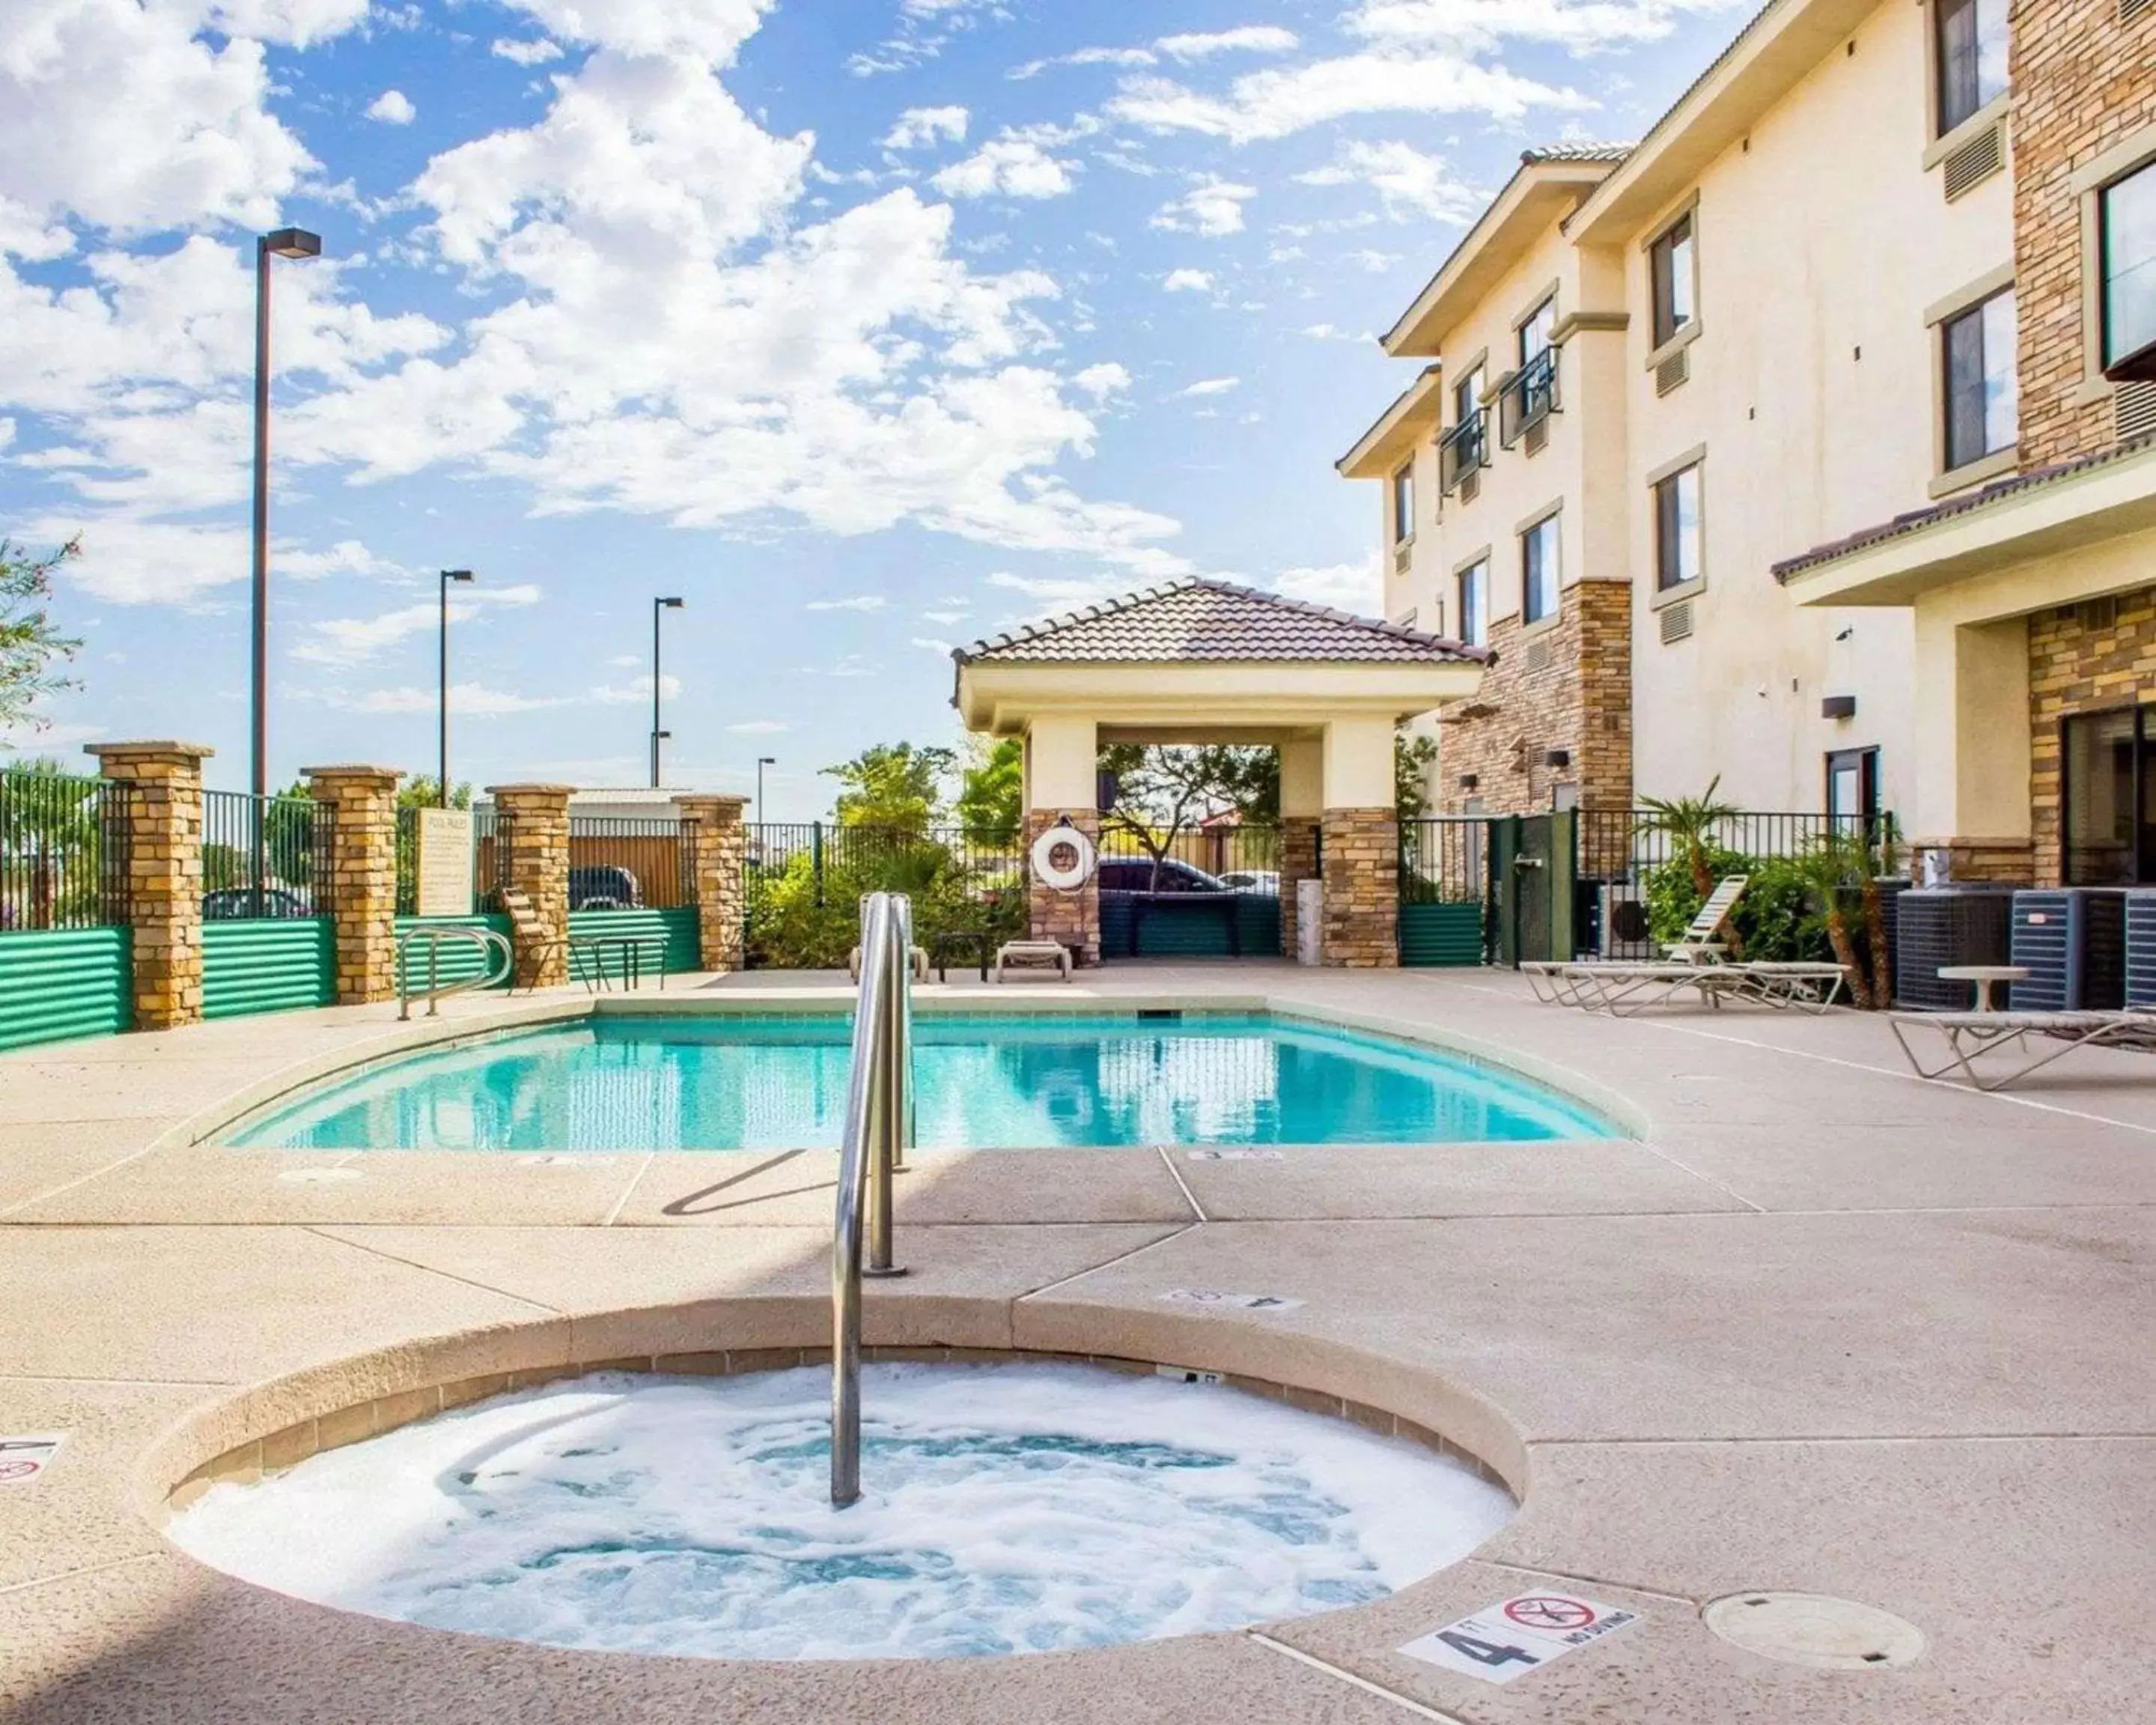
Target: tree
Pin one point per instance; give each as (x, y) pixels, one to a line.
(1414, 754)
(423, 790)
(893, 785)
(1688, 823)
(50, 863)
(1162, 789)
(28, 642)
(992, 794)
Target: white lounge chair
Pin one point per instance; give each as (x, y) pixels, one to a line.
(1014, 954)
(1969, 1035)
(920, 964)
(1601, 983)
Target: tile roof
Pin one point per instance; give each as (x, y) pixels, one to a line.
(1199, 619)
(1998, 491)
(1576, 152)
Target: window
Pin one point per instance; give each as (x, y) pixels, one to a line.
(1852, 789)
(1677, 550)
(1982, 404)
(1536, 333)
(1972, 57)
(1538, 570)
(1463, 448)
(2110, 812)
(1475, 603)
(1404, 504)
(1467, 397)
(1530, 392)
(2126, 226)
(1670, 258)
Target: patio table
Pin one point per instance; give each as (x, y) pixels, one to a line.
(1985, 975)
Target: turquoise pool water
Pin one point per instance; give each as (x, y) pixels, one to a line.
(982, 1082)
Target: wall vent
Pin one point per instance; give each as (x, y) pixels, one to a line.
(1677, 621)
(2096, 616)
(2133, 405)
(1981, 156)
(1536, 436)
(1538, 655)
(2132, 12)
(1673, 371)
(1470, 487)
(1403, 555)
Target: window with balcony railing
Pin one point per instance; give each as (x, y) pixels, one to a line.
(1528, 398)
(1462, 450)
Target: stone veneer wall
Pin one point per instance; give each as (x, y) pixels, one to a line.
(164, 874)
(362, 883)
(1362, 888)
(719, 889)
(1071, 918)
(538, 818)
(1298, 863)
(2082, 83)
(2074, 669)
(1578, 700)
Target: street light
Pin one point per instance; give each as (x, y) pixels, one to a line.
(658, 735)
(761, 761)
(284, 243)
(448, 576)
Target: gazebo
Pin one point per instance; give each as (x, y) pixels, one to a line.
(1200, 661)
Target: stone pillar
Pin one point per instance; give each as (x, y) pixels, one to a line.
(1301, 801)
(721, 848)
(1072, 919)
(361, 888)
(533, 819)
(1362, 888)
(164, 874)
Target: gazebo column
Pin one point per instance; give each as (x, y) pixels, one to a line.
(1062, 762)
(1362, 840)
(1301, 807)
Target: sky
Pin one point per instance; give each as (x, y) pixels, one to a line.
(866, 327)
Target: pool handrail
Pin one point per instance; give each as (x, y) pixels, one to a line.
(485, 939)
(868, 1151)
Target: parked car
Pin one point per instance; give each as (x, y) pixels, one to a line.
(231, 903)
(1135, 874)
(1264, 881)
(606, 886)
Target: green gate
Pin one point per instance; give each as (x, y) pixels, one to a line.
(1531, 865)
(1447, 911)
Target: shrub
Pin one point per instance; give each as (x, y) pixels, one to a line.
(798, 921)
(1776, 920)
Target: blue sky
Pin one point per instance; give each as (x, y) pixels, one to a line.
(867, 326)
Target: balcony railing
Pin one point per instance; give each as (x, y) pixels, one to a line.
(1463, 449)
(1527, 397)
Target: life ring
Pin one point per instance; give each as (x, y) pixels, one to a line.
(1063, 858)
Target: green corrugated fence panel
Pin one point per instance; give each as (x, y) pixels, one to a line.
(678, 926)
(273, 964)
(67, 981)
(1168, 934)
(460, 960)
(1442, 934)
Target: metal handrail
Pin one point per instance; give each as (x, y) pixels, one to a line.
(878, 1105)
(436, 992)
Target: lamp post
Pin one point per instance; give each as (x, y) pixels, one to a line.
(443, 760)
(761, 761)
(658, 735)
(284, 243)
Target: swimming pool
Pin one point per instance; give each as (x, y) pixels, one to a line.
(982, 1082)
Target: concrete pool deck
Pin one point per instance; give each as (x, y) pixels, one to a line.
(1822, 1328)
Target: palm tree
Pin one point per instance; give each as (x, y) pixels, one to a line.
(1688, 823)
(1841, 862)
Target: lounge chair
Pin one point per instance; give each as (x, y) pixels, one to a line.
(1969, 1035)
(920, 964)
(1013, 954)
(1602, 983)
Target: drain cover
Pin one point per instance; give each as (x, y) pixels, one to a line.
(1815, 1629)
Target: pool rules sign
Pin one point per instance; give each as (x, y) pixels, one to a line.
(1515, 1635)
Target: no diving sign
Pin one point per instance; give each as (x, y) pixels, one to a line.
(1515, 1635)
(24, 1460)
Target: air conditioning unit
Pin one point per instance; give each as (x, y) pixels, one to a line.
(2141, 949)
(1943, 927)
(1622, 931)
(2073, 943)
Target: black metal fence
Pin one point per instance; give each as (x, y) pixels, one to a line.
(264, 856)
(1445, 859)
(805, 881)
(64, 854)
(625, 862)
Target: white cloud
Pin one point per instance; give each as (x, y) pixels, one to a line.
(1088, 57)
(467, 700)
(919, 126)
(1413, 186)
(1011, 166)
(1063, 592)
(711, 31)
(354, 640)
(1278, 104)
(536, 52)
(1103, 380)
(1187, 281)
(1212, 206)
(933, 645)
(859, 602)
(1248, 39)
(1211, 386)
(393, 107)
(1582, 26)
(1357, 587)
(758, 727)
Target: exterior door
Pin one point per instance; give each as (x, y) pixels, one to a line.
(1852, 789)
(2109, 818)
(1533, 860)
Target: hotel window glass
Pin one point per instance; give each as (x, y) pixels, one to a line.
(1537, 332)
(1403, 505)
(1475, 603)
(2110, 808)
(1972, 57)
(1982, 404)
(1467, 397)
(1538, 570)
(1671, 258)
(1677, 551)
(2126, 219)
